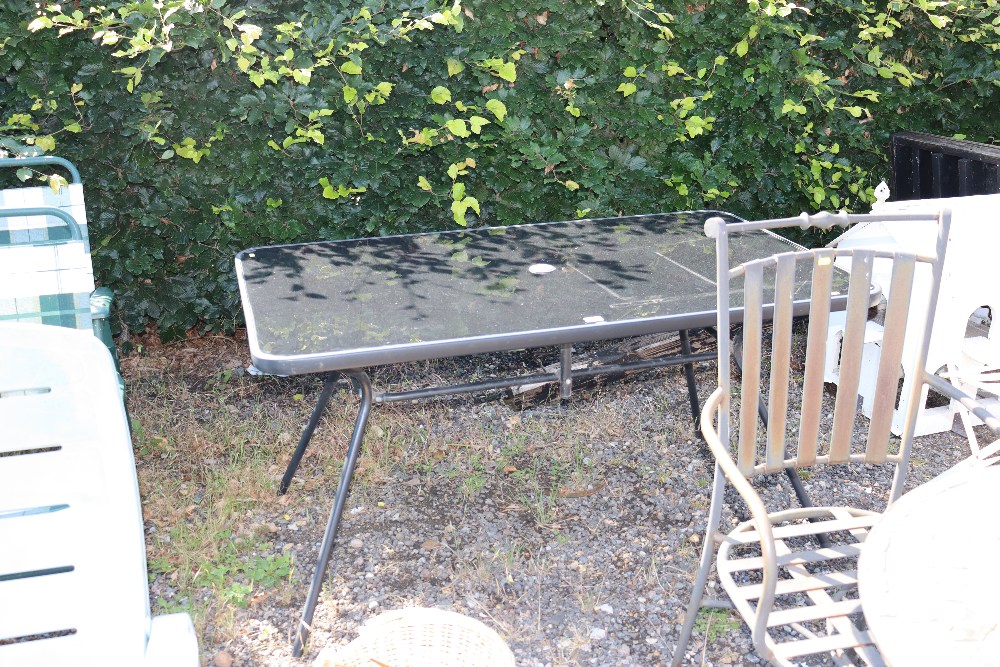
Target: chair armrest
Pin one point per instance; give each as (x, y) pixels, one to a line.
(100, 303)
(758, 514)
(942, 386)
(100, 311)
(75, 234)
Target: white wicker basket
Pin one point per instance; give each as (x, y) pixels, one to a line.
(421, 637)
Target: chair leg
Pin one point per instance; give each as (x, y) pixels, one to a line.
(707, 555)
(969, 433)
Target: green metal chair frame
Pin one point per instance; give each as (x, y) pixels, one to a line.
(45, 258)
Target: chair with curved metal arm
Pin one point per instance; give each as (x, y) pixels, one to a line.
(798, 597)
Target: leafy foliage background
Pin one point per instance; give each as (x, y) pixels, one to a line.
(202, 128)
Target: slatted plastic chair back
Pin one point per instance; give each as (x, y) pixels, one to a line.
(777, 285)
(73, 586)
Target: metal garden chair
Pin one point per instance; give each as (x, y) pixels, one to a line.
(73, 586)
(797, 596)
(46, 273)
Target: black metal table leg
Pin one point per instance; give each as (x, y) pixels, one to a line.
(324, 398)
(362, 384)
(691, 382)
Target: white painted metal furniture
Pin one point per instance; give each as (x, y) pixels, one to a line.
(73, 587)
(800, 597)
(969, 282)
(928, 573)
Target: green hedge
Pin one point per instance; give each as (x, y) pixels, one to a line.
(201, 129)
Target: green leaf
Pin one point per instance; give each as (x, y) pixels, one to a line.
(573, 111)
(441, 95)
(74, 128)
(424, 184)
(350, 94)
(454, 67)
(458, 210)
(46, 142)
(497, 108)
(572, 185)
(458, 127)
(854, 111)
(154, 56)
(742, 47)
(938, 21)
(630, 72)
(458, 191)
(477, 123)
(167, 154)
(507, 72)
(350, 67)
(40, 23)
(626, 89)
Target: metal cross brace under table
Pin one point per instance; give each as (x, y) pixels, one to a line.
(335, 307)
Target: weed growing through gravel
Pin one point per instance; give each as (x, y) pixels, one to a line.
(714, 624)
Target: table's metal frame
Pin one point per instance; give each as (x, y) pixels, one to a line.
(367, 397)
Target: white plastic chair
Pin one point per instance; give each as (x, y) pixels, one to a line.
(968, 283)
(73, 587)
(975, 379)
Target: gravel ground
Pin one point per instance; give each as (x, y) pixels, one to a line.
(573, 529)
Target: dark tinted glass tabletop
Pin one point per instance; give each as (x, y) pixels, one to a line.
(341, 304)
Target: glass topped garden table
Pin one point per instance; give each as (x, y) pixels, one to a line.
(335, 306)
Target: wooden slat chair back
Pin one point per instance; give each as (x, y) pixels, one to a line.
(46, 271)
(776, 451)
(801, 600)
(73, 586)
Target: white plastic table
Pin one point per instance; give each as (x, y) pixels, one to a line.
(928, 573)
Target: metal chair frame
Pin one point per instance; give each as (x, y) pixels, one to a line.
(813, 593)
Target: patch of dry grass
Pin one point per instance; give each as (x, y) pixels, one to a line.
(211, 442)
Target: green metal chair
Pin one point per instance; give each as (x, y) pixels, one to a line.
(46, 272)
